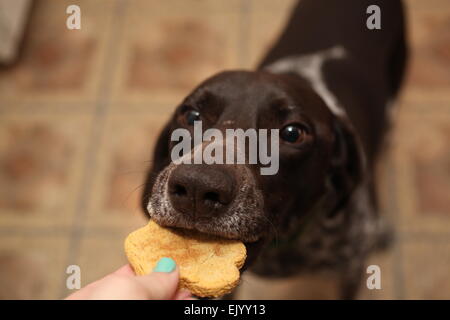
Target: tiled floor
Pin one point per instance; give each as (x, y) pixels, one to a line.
(80, 111)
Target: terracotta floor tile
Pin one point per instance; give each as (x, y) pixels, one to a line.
(41, 163)
(167, 52)
(100, 254)
(426, 269)
(429, 35)
(266, 22)
(32, 266)
(422, 168)
(58, 64)
(124, 158)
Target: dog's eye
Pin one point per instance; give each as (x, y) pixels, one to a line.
(190, 116)
(293, 133)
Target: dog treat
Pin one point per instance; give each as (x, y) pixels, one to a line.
(209, 266)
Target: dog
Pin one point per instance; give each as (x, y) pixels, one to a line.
(328, 84)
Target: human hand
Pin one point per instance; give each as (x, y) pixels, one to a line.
(123, 284)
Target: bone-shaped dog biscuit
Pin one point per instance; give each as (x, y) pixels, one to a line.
(209, 266)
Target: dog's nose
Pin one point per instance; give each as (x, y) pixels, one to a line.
(201, 190)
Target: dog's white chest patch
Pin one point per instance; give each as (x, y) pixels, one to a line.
(310, 67)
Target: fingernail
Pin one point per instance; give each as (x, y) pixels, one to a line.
(165, 265)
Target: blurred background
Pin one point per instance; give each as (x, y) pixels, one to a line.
(80, 111)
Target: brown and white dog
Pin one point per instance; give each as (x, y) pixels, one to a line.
(327, 84)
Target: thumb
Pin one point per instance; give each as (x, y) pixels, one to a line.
(162, 283)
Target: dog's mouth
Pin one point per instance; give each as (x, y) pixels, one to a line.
(212, 235)
(244, 220)
(202, 226)
(253, 247)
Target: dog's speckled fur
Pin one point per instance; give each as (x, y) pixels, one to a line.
(243, 221)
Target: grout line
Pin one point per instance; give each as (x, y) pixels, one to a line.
(399, 283)
(51, 107)
(34, 231)
(244, 34)
(420, 236)
(103, 231)
(99, 121)
(399, 286)
(72, 108)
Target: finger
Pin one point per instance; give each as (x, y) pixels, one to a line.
(182, 294)
(119, 287)
(125, 270)
(159, 285)
(162, 283)
(85, 292)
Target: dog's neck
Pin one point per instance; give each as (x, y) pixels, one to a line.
(309, 243)
(326, 208)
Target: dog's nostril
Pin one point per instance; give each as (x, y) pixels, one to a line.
(179, 190)
(211, 196)
(201, 191)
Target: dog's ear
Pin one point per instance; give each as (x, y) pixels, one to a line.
(161, 159)
(347, 162)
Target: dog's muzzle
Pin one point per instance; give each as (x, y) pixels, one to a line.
(216, 199)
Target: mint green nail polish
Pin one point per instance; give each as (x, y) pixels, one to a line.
(165, 265)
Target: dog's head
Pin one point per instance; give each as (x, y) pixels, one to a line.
(236, 201)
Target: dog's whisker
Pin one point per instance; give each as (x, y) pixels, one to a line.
(132, 191)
